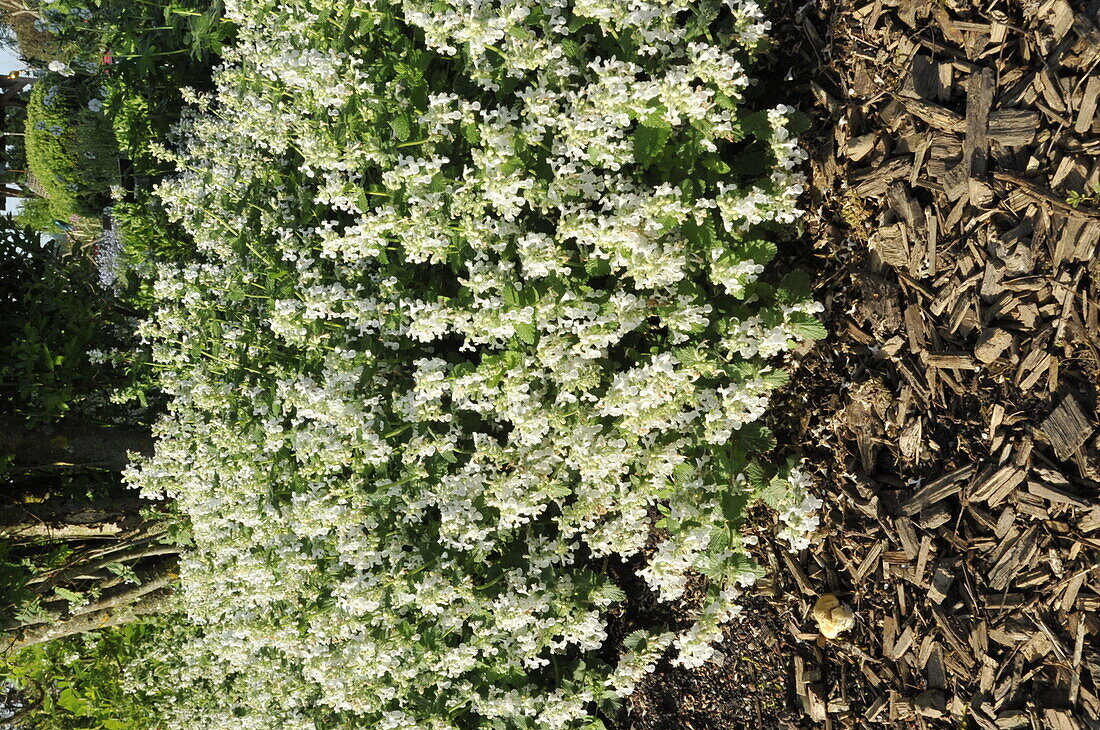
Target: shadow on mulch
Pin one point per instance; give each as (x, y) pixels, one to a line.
(747, 689)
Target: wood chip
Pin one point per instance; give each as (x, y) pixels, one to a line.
(1013, 127)
(1067, 428)
(937, 490)
(995, 486)
(1086, 113)
(991, 344)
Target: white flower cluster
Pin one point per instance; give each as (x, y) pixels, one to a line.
(799, 511)
(456, 332)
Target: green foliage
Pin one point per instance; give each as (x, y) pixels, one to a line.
(147, 237)
(807, 327)
(650, 139)
(14, 575)
(134, 124)
(147, 232)
(152, 50)
(79, 683)
(1077, 198)
(74, 150)
(37, 215)
(51, 315)
(70, 148)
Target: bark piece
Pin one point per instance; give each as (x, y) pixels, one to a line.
(931, 703)
(1067, 428)
(1086, 113)
(937, 116)
(1013, 127)
(937, 491)
(941, 584)
(979, 102)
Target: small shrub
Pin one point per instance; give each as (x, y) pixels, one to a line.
(146, 230)
(146, 237)
(71, 146)
(144, 54)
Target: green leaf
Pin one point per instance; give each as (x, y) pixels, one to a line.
(806, 326)
(32, 612)
(742, 563)
(775, 378)
(716, 165)
(798, 123)
(401, 127)
(700, 235)
(612, 592)
(759, 251)
(650, 138)
(795, 288)
(773, 492)
(597, 266)
(510, 295)
(756, 124)
(636, 640)
(725, 101)
(733, 506)
(472, 133)
(526, 332)
(683, 473)
(70, 596)
(125, 572)
(558, 490)
(756, 437)
(74, 703)
(756, 476)
(577, 22)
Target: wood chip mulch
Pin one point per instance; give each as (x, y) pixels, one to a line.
(956, 221)
(951, 416)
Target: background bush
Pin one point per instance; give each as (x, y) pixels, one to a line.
(51, 315)
(37, 215)
(145, 53)
(71, 149)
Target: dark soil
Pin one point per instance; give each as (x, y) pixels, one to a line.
(747, 690)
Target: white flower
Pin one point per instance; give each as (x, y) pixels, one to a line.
(799, 512)
(95, 105)
(60, 67)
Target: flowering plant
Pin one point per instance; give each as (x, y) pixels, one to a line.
(477, 304)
